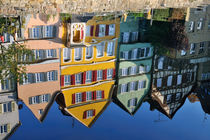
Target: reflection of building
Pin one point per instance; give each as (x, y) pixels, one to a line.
(88, 67)
(173, 81)
(135, 62)
(41, 83)
(9, 115)
(193, 97)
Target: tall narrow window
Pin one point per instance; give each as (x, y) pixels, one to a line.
(132, 86)
(134, 54)
(98, 94)
(78, 78)
(99, 74)
(66, 54)
(133, 70)
(87, 32)
(160, 63)
(88, 77)
(124, 71)
(169, 81)
(110, 48)
(179, 79)
(89, 52)
(109, 73)
(111, 29)
(89, 96)
(78, 97)
(124, 88)
(102, 29)
(100, 49)
(78, 54)
(159, 82)
(141, 84)
(67, 80)
(126, 36)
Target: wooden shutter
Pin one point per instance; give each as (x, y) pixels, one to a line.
(107, 30)
(102, 92)
(85, 115)
(84, 96)
(83, 77)
(128, 87)
(13, 106)
(94, 75)
(129, 54)
(94, 95)
(91, 30)
(30, 33)
(1, 108)
(73, 79)
(113, 76)
(62, 80)
(97, 30)
(73, 98)
(94, 112)
(105, 74)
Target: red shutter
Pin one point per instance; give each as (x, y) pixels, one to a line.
(62, 80)
(73, 98)
(91, 30)
(95, 73)
(94, 112)
(73, 79)
(105, 74)
(102, 94)
(93, 76)
(84, 96)
(113, 73)
(84, 77)
(94, 95)
(85, 115)
(107, 30)
(97, 30)
(82, 34)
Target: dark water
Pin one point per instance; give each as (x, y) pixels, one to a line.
(129, 75)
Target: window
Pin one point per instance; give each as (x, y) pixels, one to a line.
(78, 54)
(168, 98)
(38, 77)
(66, 54)
(124, 71)
(99, 74)
(110, 48)
(134, 53)
(189, 77)
(51, 53)
(45, 98)
(178, 96)
(51, 75)
(134, 36)
(169, 81)
(199, 25)
(201, 49)
(160, 63)
(67, 80)
(109, 73)
(159, 82)
(102, 29)
(40, 111)
(78, 78)
(100, 49)
(48, 31)
(88, 77)
(147, 54)
(141, 52)
(133, 70)
(179, 79)
(89, 114)
(124, 88)
(111, 29)
(183, 52)
(87, 32)
(125, 55)
(141, 84)
(132, 102)
(98, 94)
(89, 52)
(147, 68)
(192, 48)
(132, 86)
(6, 84)
(5, 128)
(191, 26)
(6, 107)
(141, 69)
(78, 97)
(89, 96)
(126, 36)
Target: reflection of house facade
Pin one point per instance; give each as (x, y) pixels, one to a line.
(44, 38)
(135, 62)
(88, 67)
(9, 115)
(173, 81)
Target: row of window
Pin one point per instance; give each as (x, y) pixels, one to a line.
(205, 76)
(40, 77)
(39, 55)
(171, 98)
(7, 84)
(7, 107)
(101, 30)
(173, 80)
(5, 128)
(193, 46)
(133, 70)
(89, 114)
(132, 86)
(198, 27)
(87, 96)
(129, 37)
(87, 77)
(100, 51)
(137, 53)
(132, 102)
(48, 31)
(44, 98)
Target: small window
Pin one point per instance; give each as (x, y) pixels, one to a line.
(102, 29)
(78, 97)
(67, 80)
(160, 63)
(169, 81)
(183, 52)
(98, 94)
(89, 96)
(111, 29)
(201, 49)
(192, 48)
(141, 84)
(168, 99)
(109, 73)
(132, 102)
(191, 26)
(141, 69)
(66, 54)
(134, 54)
(134, 36)
(124, 71)
(132, 86)
(125, 55)
(78, 54)
(99, 74)
(133, 70)
(126, 36)
(110, 48)
(124, 88)
(100, 49)
(89, 113)
(159, 82)
(87, 32)
(88, 77)
(89, 52)
(78, 78)
(40, 111)
(179, 79)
